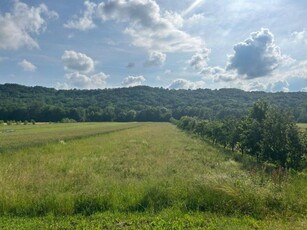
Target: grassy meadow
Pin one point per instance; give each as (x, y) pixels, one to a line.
(138, 175)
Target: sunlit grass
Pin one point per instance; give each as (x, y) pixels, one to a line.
(302, 126)
(18, 136)
(149, 169)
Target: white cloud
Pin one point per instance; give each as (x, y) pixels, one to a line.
(83, 81)
(218, 74)
(257, 56)
(185, 84)
(194, 5)
(147, 26)
(301, 69)
(18, 26)
(131, 81)
(156, 58)
(194, 20)
(279, 86)
(80, 62)
(27, 66)
(300, 36)
(255, 86)
(60, 85)
(163, 39)
(175, 18)
(86, 21)
(199, 60)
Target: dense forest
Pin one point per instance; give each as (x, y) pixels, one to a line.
(141, 103)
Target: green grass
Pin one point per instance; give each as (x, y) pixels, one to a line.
(302, 126)
(150, 174)
(20, 136)
(169, 219)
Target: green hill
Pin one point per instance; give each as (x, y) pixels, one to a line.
(141, 103)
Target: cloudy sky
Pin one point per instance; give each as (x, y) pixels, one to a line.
(189, 44)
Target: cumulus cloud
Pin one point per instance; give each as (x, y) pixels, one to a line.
(86, 21)
(199, 60)
(253, 86)
(279, 86)
(83, 81)
(301, 69)
(156, 58)
(131, 81)
(257, 56)
(27, 66)
(18, 26)
(217, 74)
(80, 62)
(174, 18)
(300, 36)
(186, 84)
(147, 26)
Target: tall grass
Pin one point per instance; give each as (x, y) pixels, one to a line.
(151, 168)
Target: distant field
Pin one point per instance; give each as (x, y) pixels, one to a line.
(138, 175)
(302, 125)
(16, 136)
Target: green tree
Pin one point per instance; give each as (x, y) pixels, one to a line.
(281, 142)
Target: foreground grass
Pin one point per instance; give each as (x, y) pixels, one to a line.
(152, 174)
(168, 219)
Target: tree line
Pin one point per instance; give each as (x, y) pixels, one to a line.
(268, 133)
(141, 103)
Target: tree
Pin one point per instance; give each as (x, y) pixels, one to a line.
(281, 142)
(259, 111)
(231, 132)
(250, 136)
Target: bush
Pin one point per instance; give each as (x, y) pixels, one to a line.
(68, 120)
(10, 122)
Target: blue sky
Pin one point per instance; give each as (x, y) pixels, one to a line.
(189, 44)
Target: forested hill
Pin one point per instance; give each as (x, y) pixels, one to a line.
(141, 103)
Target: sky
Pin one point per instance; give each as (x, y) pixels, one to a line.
(177, 44)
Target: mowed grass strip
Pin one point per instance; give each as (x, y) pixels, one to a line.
(148, 169)
(18, 136)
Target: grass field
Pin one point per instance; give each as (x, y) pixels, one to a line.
(302, 126)
(15, 136)
(138, 175)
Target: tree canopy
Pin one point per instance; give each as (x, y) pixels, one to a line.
(268, 133)
(141, 103)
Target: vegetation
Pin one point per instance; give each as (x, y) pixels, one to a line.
(19, 136)
(267, 133)
(140, 103)
(150, 175)
(168, 219)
